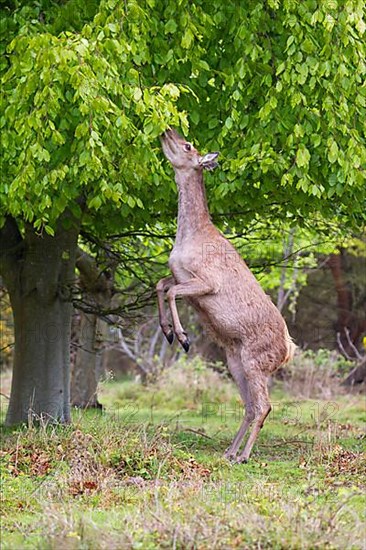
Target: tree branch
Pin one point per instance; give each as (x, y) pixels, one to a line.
(92, 277)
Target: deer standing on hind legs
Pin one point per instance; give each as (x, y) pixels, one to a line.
(209, 272)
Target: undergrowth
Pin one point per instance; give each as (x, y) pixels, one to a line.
(148, 472)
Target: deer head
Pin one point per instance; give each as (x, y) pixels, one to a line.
(182, 154)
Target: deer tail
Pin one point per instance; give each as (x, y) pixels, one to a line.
(291, 347)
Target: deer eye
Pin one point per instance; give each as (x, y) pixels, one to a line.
(187, 147)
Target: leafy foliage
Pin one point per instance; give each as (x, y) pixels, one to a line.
(88, 87)
(76, 125)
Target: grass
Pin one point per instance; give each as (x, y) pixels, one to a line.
(148, 472)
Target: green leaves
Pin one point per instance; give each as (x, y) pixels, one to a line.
(70, 101)
(137, 94)
(95, 202)
(332, 150)
(302, 156)
(278, 88)
(170, 27)
(187, 39)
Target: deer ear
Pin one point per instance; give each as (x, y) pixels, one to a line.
(209, 161)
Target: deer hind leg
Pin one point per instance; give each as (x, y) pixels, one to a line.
(162, 286)
(260, 407)
(236, 369)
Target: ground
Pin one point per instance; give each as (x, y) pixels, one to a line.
(148, 472)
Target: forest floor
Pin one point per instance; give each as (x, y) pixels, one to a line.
(148, 471)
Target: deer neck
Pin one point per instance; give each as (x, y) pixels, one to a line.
(193, 212)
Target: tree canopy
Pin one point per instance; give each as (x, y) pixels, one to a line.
(278, 87)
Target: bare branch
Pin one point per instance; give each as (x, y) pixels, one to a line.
(341, 347)
(351, 344)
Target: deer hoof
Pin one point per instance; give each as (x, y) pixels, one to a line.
(229, 455)
(170, 337)
(186, 343)
(242, 460)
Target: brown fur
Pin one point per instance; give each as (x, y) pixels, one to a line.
(231, 304)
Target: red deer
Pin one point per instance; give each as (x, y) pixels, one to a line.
(208, 271)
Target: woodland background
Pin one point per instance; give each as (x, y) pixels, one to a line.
(93, 399)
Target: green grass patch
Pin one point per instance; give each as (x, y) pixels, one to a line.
(148, 472)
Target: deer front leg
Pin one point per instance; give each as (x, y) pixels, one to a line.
(162, 286)
(190, 289)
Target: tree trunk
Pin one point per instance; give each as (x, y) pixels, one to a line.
(84, 382)
(39, 278)
(96, 286)
(347, 317)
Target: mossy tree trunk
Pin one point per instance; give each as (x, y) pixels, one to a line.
(38, 271)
